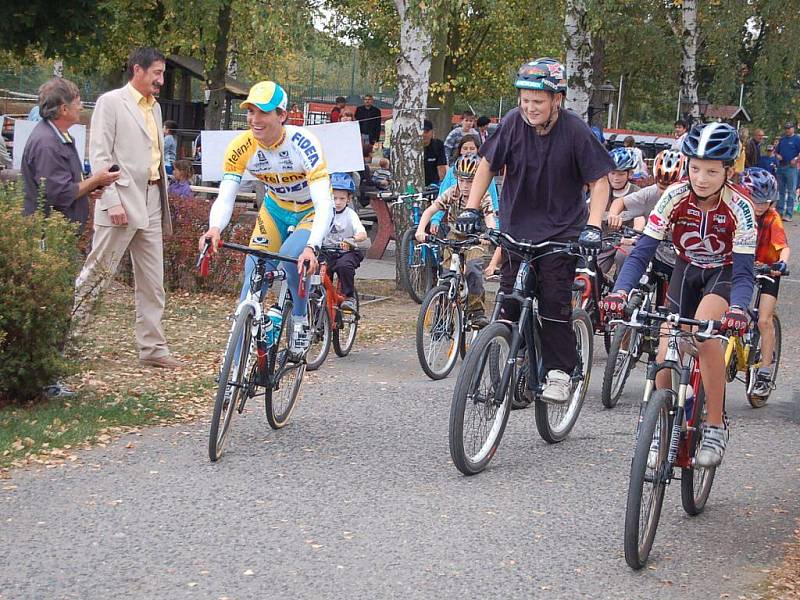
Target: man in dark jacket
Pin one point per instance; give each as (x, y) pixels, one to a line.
(51, 166)
(752, 151)
(369, 120)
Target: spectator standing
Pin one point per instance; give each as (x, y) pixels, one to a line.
(133, 212)
(336, 111)
(752, 149)
(51, 158)
(787, 152)
(369, 120)
(454, 137)
(483, 127)
(170, 145)
(768, 162)
(181, 185)
(680, 130)
(434, 155)
(295, 115)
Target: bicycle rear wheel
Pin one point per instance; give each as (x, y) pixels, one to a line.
(233, 385)
(621, 358)
(320, 323)
(696, 481)
(755, 360)
(344, 336)
(286, 375)
(439, 332)
(555, 421)
(416, 274)
(647, 483)
(477, 422)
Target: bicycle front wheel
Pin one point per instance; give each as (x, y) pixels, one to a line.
(344, 336)
(233, 385)
(286, 375)
(439, 332)
(320, 335)
(620, 361)
(477, 420)
(416, 274)
(696, 481)
(647, 480)
(756, 360)
(555, 421)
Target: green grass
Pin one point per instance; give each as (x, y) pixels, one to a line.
(67, 423)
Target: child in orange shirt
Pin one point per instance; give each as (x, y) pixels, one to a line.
(772, 249)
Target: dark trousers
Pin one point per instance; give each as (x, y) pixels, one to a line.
(554, 274)
(345, 267)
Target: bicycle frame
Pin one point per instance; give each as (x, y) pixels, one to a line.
(741, 346)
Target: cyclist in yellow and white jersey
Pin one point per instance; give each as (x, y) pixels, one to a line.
(290, 161)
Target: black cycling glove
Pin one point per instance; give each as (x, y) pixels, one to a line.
(591, 240)
(469, 221)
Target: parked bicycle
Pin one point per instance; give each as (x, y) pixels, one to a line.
(257, 359)
(743, 354)
(444, 329)
(419, 263)
(668, 434)
(330, 322)
(506, 355)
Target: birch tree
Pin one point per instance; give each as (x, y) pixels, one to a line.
(578, 41)
(685, 29)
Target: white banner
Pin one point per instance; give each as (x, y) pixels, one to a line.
(341, 143)
(23, 129)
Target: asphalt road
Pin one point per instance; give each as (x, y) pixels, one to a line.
(357, 498)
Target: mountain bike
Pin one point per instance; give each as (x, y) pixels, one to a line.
(743, 354)
(419, 263)
(257, 359)
(668, 434)
(506, 355)
(329, 322)
(444, 330)
(629, 344)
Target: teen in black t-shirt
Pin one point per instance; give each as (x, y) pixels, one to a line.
(434, 155)
(549, 154)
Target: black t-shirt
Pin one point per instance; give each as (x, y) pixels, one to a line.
(542, 196)
(434, 157)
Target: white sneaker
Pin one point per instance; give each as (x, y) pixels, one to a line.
(557, 387)
(712, 448)
(299, 339)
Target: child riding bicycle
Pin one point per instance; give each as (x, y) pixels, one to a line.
(348, 233)
(453, 201)
(772, 249)
(714, 232)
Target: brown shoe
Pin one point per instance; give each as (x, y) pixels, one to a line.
(162, 362)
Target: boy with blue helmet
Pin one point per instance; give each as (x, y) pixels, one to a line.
(348, 233)
(772, 249)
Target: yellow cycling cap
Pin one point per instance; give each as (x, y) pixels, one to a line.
(266, 96)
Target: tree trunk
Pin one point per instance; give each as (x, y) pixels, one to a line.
(578, 40)
(437, 98)
(215, 79)
(688, 39)
(413, 77)
(598, 117)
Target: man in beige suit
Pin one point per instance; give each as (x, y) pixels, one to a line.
(133, 212)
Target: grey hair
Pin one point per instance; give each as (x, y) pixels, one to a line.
(54, 93)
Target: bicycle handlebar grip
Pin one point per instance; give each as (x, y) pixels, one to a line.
(632, 305)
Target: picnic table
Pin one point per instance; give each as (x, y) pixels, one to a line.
(379, 202)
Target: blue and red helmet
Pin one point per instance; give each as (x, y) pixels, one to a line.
(761, 184)
(542, 74)
(712, 141)
(343, 181)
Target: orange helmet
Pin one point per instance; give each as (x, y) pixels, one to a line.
(669, 167)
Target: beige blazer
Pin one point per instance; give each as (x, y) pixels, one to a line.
(118, 135)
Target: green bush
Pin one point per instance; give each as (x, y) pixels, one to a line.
(38, 265)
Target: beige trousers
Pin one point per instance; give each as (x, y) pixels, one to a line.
(147, 256)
